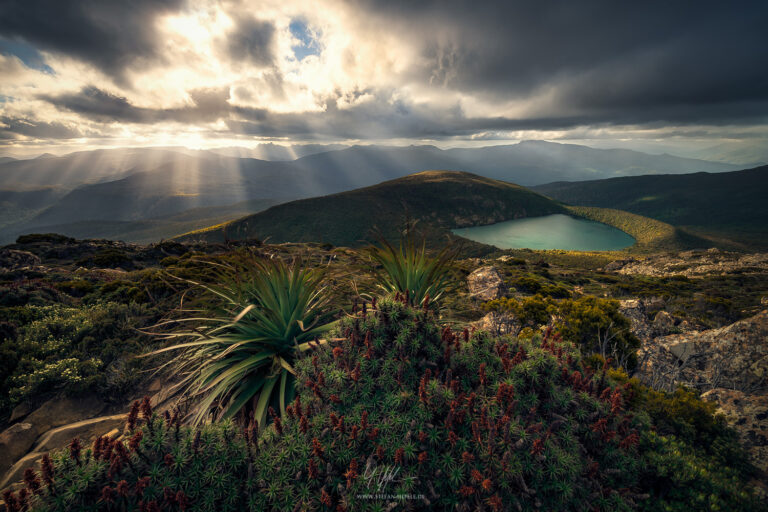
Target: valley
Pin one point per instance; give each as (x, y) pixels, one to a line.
(127, 193)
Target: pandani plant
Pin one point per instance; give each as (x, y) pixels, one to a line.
(240, 361)
(409, 271)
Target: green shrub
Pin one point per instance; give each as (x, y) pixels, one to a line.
(460, 421)
(598, 327)
(693, 421)
(681, 480)
(518, 314)
(76, 288)
(71, 349)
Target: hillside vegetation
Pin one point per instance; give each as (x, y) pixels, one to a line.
(650, 235)
(466, 417)
(729, 209)
(438, 200)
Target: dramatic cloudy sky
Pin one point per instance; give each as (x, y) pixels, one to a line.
(86, 73)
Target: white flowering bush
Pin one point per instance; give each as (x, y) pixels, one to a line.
(72, 349)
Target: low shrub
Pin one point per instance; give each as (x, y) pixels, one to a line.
(71, 349)
(407, 412)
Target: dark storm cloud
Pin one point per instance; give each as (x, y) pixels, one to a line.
(594, 63)
(251, 41)
(110, 34)
(381, 117)
(601, 57)
(101, 106)
(12, 127)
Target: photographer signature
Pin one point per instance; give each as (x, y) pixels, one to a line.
(381, 476)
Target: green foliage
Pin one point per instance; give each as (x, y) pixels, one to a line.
(71, 349)
(531, 284)
(242, 360)
(680, 480)
(108, 258)
(517, 314)
(598, 327)
(693, 421)
(410, 271)
(593, 323)
(76, 288)
(461, 421)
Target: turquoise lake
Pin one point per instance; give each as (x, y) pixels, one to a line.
(549, 232)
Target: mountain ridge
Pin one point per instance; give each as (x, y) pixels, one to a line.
(436, 200)
(728, 207)
(139, 184)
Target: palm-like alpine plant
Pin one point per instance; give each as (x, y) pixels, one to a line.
(242, 360)
(410, 271)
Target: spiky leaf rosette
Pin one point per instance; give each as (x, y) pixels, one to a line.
(410, 270)
(242, 359)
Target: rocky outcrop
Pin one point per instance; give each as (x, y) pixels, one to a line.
(486, 283)
(16, 440)
(691, 264)
(15, 474)
(62, 411)
(637, 312)
(748, 415)
(12, 260)
(735, 356)
(729, 365)
(85, 430)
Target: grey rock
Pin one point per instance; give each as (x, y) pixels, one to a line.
(663, 322)
(62, 411)
(86, 430)
(20, 411)
(12, 259)
(16, 473)
(747, 413)
(15, 441)
(486, 283)
(733, 357)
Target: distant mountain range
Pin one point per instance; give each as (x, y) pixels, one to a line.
(727, 208)
(105, 191)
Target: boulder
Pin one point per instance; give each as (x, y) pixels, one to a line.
(12, 259)
(748, 415)
(86, 431)
(16, 473)
(635, 311)
(20, 411)
(62, 411)
(486, 283)
(663, 323)
(734, 356)
(15, 441)
(618, 265)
